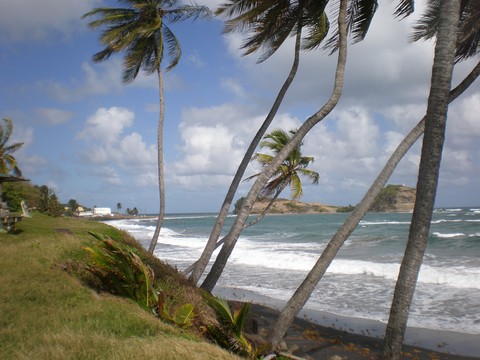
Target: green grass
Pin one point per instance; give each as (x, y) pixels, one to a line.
(47, 311)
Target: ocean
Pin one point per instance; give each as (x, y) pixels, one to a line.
(272, 258)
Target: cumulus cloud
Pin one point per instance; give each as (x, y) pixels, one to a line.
(110, 147)
(22, 20)
(107, 125)
(214, 140)
(463, 122)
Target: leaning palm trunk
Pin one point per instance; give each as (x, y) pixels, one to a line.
(161, 170)
(433, 140)
(304, 291)
(256, 220)
(232, 237)
(211, 245)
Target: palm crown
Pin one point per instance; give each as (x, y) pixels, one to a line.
(7, 162)
(288, 173)
(142, 33)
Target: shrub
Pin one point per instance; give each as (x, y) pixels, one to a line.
(121, 271)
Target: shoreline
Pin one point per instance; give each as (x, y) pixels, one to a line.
(442, 341)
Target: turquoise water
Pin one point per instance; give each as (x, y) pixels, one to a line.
(272, 258)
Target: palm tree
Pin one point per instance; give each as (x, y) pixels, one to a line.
(232, 237)
(304, 291)
(434, 135)
(289, 170)
(249, 17)
(73, 205)
(8, 164)
(288, 173)
(270, 23)
(140, 31)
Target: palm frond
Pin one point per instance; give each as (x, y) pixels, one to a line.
(359, 17)
(187, 12)
(140, 31)
(316, 33)
(296, 186)
(405, 8)
(468, 43)
(174, 49)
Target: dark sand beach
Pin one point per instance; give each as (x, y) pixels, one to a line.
(319, 335)
(308, 340)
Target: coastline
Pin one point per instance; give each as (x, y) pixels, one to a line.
(459, 345)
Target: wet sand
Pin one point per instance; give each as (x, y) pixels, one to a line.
(320, 335)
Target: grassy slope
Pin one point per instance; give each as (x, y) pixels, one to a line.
(45, 313)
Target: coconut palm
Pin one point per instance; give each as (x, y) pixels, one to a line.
(251, 18)
(141, 32)
(269, 24)
(232, 236)
(8, 164)
(432, 148)
(310, 282)
(289, 170)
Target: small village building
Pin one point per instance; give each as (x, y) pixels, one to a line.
(98, 211)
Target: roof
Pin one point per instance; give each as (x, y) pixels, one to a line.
(8, 177)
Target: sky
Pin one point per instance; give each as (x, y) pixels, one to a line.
(91, 138)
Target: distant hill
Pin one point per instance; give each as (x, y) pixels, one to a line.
(284, 206)
(395, 198)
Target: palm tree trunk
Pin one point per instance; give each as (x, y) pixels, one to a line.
(303, 293)
(161, 170)
(267, 208)
(232, 237)
(435, 125)
(211, 245)
(256, 220)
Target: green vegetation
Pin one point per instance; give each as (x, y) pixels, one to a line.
(41, 198)
(8, 164)
(318, 208)
(49, 312)
(290, 169)
(122, 271)
(230, 333)
(294, 208)
(238, 204)
(345, 209)
(386, 199)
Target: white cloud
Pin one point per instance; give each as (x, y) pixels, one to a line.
(463, 120)
(106, 125)
(214, 140)
(22, 20)
(108, 144)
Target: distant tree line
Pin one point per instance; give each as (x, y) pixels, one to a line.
(41, 198)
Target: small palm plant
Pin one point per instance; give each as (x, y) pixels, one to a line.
(231, 335)
(121, 271)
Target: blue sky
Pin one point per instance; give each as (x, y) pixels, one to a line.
(93, 139)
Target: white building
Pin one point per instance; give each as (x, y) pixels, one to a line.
(98, 211)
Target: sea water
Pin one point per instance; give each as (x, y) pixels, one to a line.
(272, 258)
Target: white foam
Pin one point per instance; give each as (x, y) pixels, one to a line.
(384, 222)
(301, 261)
(449, 235)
